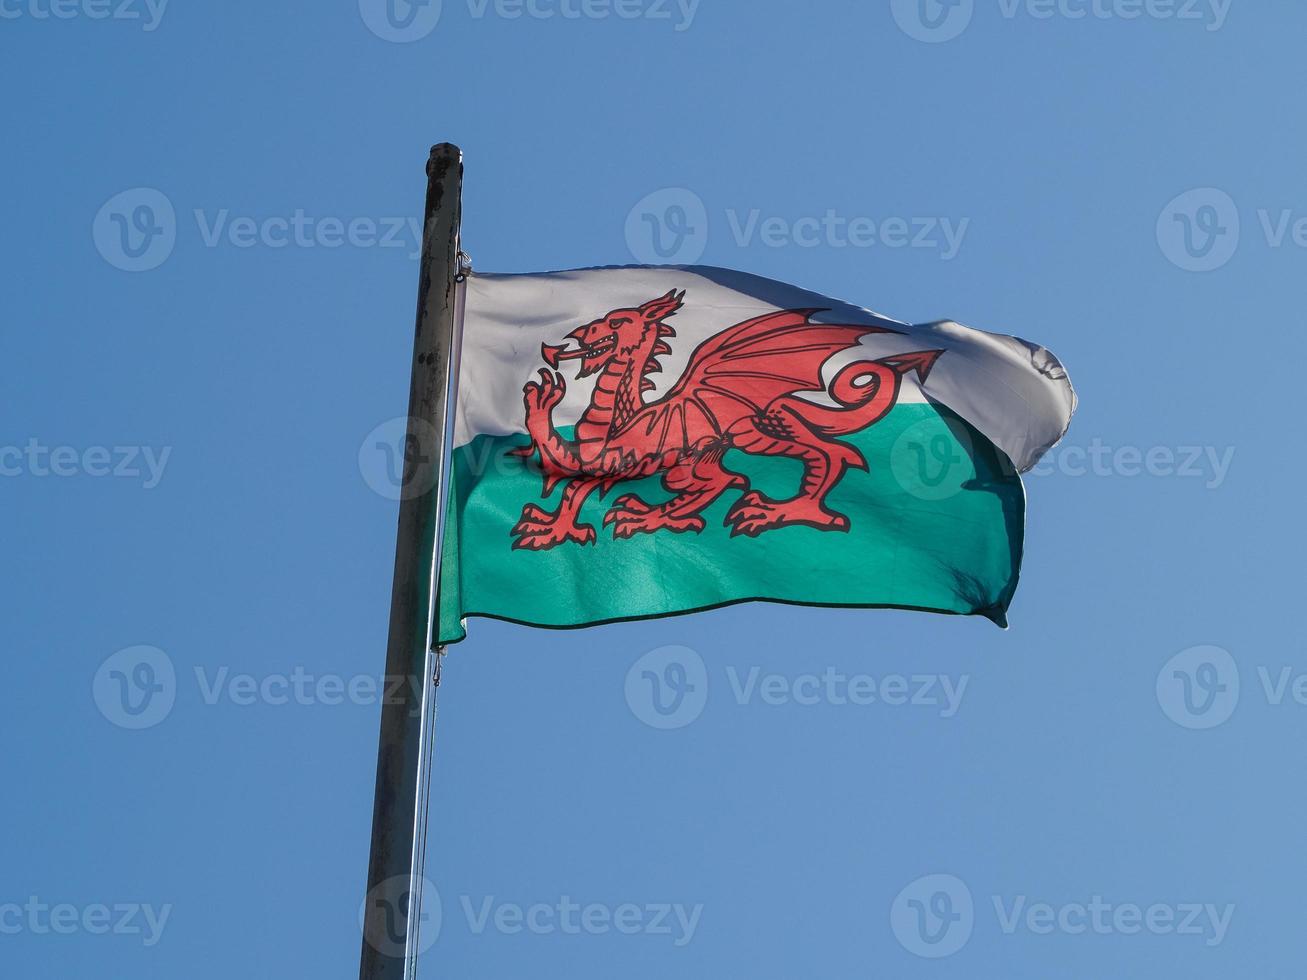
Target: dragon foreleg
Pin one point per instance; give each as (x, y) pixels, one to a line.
(538, 529)
(559, 459)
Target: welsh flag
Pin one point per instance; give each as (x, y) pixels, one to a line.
(644, 441)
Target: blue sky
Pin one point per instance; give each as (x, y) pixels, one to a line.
(1109, 788)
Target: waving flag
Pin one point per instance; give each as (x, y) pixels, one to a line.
(635, 442)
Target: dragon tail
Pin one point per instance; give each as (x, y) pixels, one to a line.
(865, 392)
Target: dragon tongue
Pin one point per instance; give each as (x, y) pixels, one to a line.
(553, 355)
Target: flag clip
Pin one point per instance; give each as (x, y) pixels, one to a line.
(440, 656)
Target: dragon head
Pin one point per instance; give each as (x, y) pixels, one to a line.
(620, 334)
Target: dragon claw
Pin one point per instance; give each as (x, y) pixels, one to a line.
(750, 521)
(534, 520)
(539, 530)
(541, 537)
(545, 394)
(629, 521)
(629, 502)
(754, 513)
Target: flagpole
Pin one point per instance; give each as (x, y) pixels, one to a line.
(391, 915)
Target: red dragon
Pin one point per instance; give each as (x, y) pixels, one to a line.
(738, 392)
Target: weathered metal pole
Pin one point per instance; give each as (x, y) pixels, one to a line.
(391, 915)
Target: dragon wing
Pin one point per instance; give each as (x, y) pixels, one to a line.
(742, 370)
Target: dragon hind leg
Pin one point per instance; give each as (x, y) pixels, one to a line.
(539, 530)
(696, 481)
(781, 431)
